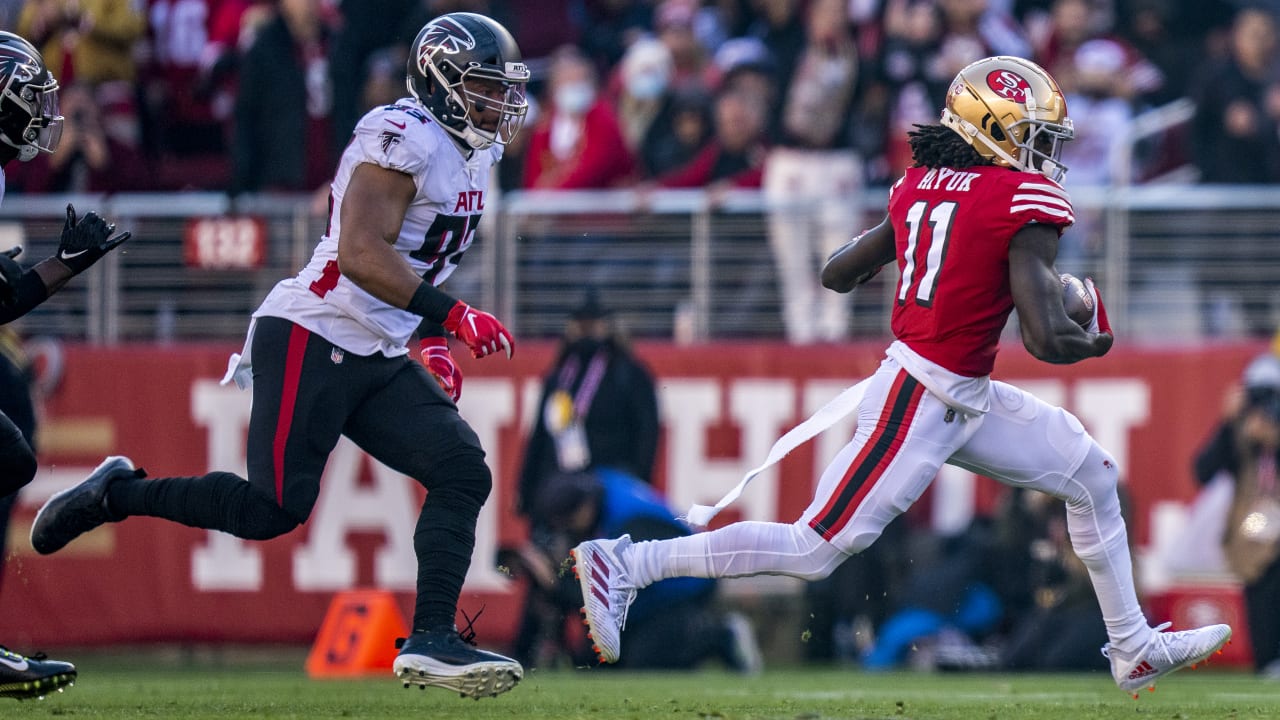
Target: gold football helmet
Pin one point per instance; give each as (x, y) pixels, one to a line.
(1012, 112)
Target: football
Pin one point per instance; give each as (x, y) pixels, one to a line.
(1076, 300)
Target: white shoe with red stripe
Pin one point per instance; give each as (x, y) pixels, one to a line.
(1164, 653)
(607, 592)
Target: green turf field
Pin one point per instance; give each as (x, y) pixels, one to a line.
(177, 688)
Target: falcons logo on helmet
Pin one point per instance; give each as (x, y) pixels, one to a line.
(447, 35)
(21, 65)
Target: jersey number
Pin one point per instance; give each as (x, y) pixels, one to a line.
(447, 238)
(927, 240)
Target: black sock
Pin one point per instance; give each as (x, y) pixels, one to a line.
(444, 539)
(217, 501)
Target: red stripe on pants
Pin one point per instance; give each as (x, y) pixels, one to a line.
(288, 400)
(885, 441)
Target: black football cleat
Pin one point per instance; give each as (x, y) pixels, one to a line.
(77, 510)
(25, 678)
(443, 658)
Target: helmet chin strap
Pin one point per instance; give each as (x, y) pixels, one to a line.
(474, 139)
(969, 130)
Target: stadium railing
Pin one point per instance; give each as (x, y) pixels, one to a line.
(1177, 263)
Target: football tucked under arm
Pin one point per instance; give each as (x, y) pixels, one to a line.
(1077, 300)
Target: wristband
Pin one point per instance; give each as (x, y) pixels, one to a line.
(431, 303)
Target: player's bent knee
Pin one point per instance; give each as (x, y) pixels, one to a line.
(466, 476)
(257, 516)
(267, 522)
(1097, 478)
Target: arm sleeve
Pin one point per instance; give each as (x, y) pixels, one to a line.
(31, 292)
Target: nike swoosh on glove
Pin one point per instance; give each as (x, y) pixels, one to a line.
(435, 355)
(1099, 323)
(479, 330)
(86, 240)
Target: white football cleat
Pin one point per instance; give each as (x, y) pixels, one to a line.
(607, 593)
(1164, 653)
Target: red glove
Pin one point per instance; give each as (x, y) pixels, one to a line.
(479, 330)
(435, 355)
(1099, 324)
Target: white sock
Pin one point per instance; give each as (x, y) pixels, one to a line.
(737, 550)
(1101, 542)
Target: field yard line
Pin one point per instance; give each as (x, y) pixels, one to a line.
(918, 693)
(1271, 692)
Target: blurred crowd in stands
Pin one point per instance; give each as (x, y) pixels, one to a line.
(260, 95)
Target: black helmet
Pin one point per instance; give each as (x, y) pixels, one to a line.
(29, 119)
(456, 48)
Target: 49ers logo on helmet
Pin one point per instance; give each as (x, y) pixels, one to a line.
(1008, 85)
(447, 35)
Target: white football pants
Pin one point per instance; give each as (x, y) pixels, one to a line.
(904, 435)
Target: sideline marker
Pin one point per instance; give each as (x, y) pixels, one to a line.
(358, 635)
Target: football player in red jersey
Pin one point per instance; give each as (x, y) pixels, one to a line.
(974, 229)
(327, 351)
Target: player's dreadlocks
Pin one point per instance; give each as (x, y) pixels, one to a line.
(939, 146)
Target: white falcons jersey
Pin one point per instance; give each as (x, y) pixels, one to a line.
(438, 228)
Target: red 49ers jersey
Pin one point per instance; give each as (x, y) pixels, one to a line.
(952, 229)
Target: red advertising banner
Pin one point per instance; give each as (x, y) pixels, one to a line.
(722, 405)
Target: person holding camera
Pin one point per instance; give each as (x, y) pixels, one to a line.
(1246, 446)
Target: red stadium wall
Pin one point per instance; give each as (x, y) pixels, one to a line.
(723, 406)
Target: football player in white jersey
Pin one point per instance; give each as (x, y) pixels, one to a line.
(29, 125)
(326, 353)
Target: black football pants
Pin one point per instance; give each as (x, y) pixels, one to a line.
(306, 393)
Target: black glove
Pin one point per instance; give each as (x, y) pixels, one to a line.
(10, 274)
(84, 243)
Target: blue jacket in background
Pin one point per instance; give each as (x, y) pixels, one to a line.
(630, 506)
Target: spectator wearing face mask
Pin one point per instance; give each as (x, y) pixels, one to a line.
(578, 144)
(644, 103)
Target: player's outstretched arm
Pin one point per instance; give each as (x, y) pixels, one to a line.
(858, 260)
(84, 241)
(1047, 332)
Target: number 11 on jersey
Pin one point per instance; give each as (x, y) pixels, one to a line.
(931, 237)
